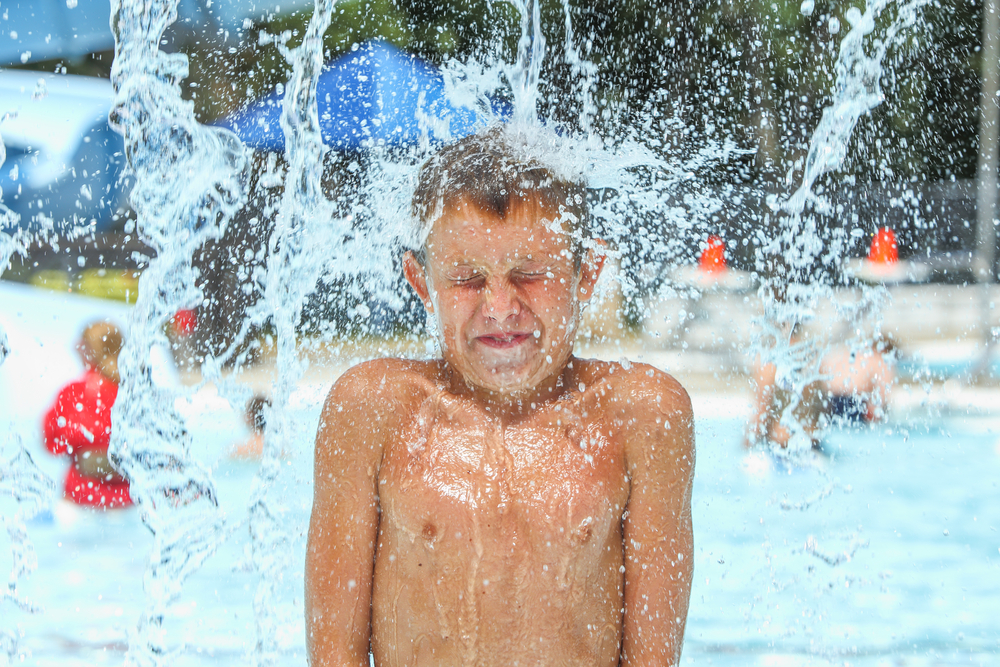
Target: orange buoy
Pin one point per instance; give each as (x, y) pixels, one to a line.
(713, 257)
(884, 249)
(184, 322)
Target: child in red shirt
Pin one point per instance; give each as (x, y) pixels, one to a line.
(79, 422)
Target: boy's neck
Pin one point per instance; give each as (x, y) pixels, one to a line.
(512, 405)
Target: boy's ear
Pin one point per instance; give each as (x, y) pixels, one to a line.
(417, 277)
(590, 270)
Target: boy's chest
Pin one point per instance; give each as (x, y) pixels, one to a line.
(560, 476)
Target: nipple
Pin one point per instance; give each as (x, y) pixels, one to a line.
(582, 532)
(429, 532)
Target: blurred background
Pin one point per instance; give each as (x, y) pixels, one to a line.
(758, 74)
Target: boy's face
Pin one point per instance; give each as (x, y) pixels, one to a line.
(505, 294)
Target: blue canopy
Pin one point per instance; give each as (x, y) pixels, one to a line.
(374, 94)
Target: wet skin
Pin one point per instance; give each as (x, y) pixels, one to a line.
(508, 504)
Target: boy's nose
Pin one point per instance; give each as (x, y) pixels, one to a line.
(499, 301)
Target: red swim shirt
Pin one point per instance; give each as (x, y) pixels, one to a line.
(79, 421)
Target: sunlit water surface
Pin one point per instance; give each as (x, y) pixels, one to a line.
(886, 553)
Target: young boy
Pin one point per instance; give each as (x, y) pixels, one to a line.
(509, 503)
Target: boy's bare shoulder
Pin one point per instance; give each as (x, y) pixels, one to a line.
(382, 387)
(385, 379)
(652, 411)
(636, 389)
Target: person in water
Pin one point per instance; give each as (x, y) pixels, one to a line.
(79, 422)
(255, 417)
(773, 396)
(508, 503)
(859, 380)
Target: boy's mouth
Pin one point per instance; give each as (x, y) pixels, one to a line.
(502, 341)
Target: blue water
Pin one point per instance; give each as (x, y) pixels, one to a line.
(915, 508)
(922, 369)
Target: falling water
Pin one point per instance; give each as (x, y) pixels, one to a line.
(647, 203)
(20, 477)
(150, 444)
(791, 296)
(305, 226)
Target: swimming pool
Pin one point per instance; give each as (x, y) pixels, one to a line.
(889, 555)
(886, 553)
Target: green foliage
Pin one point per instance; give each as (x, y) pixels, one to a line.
(353, 21)
(928, 126)
(756, 71)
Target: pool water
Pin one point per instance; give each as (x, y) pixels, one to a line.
(888, 553)
(884, 552)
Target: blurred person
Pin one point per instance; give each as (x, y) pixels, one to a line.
(254, 416)
(774, 394)
(79, 422)
(859, 380)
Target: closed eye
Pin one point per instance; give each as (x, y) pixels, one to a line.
(468, 280)
(534, 277)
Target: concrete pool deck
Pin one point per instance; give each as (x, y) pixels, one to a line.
(938, 329)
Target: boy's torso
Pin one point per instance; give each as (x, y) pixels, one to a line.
(502, 544)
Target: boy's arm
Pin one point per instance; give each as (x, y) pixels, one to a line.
(883, 377)
(659, 546)
(343, 528)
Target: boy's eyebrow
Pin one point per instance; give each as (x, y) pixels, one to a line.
(463, 265)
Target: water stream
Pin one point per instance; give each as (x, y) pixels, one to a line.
(648, 203)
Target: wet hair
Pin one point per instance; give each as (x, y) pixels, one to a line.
(100, 344)
(495, 171)
(255, 412)
(884, 344)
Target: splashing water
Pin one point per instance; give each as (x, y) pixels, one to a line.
(305, 226)
(20, 478)
(792, 293)
(13, 240)
(32, 490)
(150, 444)
(647, 203)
